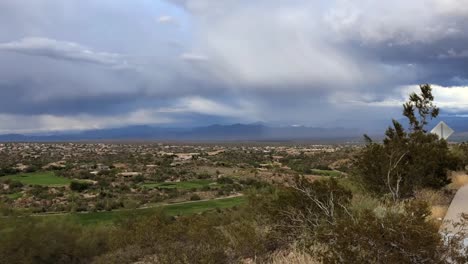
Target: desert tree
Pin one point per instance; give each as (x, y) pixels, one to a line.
(406, 160)
(420, 107)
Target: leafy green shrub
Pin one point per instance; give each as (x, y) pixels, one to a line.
(15, 184)
(225, 180)
(253, 183)
(461, 152)
(34, 240)
(195, 197)
(192, 239)
(79, 186)
(406, 161)
(41, 192)
(138, 179)
(203, 175)
(322, 167)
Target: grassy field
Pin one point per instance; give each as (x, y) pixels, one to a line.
(39, 178)
(186, 185)
(172, 209)
(330, 173)
(15, 196)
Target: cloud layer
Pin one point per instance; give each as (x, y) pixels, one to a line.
(61, 50)
(86, 64)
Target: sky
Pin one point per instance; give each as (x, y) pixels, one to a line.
(86, 64)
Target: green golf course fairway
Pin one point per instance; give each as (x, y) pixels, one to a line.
(171, 209)
(185, 185)
(46, 178)
(330, 173)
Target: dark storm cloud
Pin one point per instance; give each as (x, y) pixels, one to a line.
(91, 63)
(333, 44)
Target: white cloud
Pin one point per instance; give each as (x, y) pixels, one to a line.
(452, 54)
(199, 105)
(193, 57)
(451, 99)
(268, 44)
(62, 50)
(397, 22)
(15, 123)
(209, 107)
(451, 7)
(167, 20)
(10, 123)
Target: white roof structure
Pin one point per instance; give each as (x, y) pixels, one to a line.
(442, 130)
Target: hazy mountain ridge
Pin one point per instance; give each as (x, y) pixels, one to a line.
(213, 132)
(255, 131)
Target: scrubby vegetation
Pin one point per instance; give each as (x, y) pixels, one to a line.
(322, 219)
(407, 161)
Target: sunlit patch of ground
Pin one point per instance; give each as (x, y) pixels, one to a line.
(438, 211)
(459, 179)
(293, 257)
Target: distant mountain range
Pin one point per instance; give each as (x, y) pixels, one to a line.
(235, 132)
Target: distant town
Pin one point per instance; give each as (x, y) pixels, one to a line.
(78, 177)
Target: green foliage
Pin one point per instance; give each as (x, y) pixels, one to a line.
(111, 217)
(247, 237)
(33, 240)
(253, 183)
(231, 158)
(15, 184)
(203, 175)
(225, 180)
(138, 179)
(322, 219)
(398, 235)
(406, 161)
(317, 217)
(186, 240)
(203, 206)
(15, 196)
(297, 211)
(79, 186)
(39, 192)
(184, 185)
(461, 152)
(5, 210)
(306, 163)
(7, 171)
(195, 197)
(330, 173)
(39, 178)
(423, 103)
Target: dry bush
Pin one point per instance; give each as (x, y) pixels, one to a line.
(362, 202)
(293, 257)
(433, 197)
(459, 179)
(438, 212)
(125, 255)
(438, 202)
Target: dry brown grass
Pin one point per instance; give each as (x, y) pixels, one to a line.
(439, 202)
(293, 257)
(438, 212)
(433, 197)
(459, 179)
